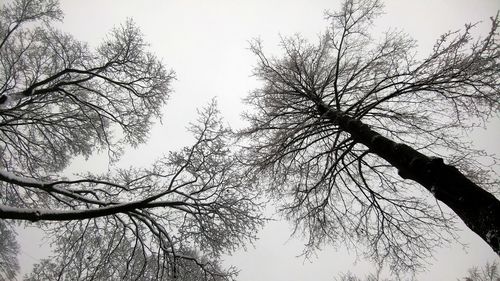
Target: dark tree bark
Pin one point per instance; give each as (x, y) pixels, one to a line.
(478, 209)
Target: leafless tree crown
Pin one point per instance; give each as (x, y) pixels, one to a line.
(58, 99)
(327, 111)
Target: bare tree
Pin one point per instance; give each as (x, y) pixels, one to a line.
(126, 263)
(349, 276)
(334, 121)
(9, 248)
(488, 273)
(59, 99)
(192, 199)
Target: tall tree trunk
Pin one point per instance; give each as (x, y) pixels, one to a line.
(478, 209)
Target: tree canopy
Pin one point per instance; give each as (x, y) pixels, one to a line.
(358, 139)
(59, 99)
(344, 129)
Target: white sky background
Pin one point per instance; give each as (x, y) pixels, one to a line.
(206, 44)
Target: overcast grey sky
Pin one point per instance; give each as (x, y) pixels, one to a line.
(206, 43)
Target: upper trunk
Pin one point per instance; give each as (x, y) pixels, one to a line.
(478, 209)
